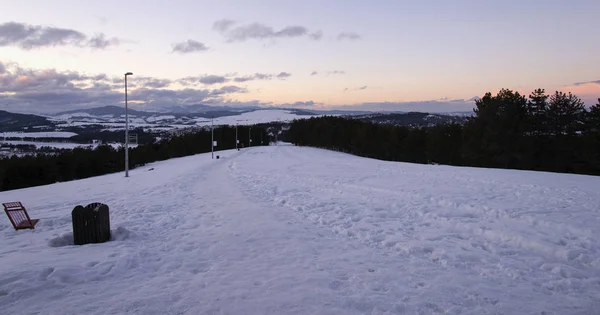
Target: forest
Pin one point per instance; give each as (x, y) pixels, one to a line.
(41, 169)
(540, 132)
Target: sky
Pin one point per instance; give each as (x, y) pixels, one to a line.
(434, 56)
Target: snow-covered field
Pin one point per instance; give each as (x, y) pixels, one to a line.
(58, 145)
(255, 117)
(248, 118)
(63, 145)
(49, 134)
(289, 230)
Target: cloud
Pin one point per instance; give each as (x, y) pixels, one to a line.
(432, 106)
(229, 89)
(99, 41)
(160, 98)
(316, 35)
(291, 31)
(243, 79)
(348, 36)
(256, 76)
(149, 82)
(588, 82)
(51, 91)
(300, 104)
(588, 91)
(189, 46)
(101, 19)
(360, 88)
(223, 25)
(284, 75)
(262, 76)
(235, 103)
(207, 79)
(328, 73)
(212, 79)
(260, 31)
(29, 37)
(2, 68)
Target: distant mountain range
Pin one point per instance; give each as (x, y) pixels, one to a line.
(412, 119)
(17, 122)
(190, 115)
(178, 111)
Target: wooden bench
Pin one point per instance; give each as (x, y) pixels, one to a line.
(17, 214)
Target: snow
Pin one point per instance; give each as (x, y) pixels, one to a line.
(50, 134)
(70, 116)
(58, 145)
(291, 230)
(247, 118)
(254, 117)
(112, 126)
(63, 145)
(159, 118)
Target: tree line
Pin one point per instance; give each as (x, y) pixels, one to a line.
(508, 130)
(26, 171)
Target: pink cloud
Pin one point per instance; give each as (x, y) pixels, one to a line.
(588, 92)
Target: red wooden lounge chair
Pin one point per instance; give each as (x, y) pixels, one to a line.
(17, 214)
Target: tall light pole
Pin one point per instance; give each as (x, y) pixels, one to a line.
(236, 138)
(212, 137)
(249, 137)
(126, 129)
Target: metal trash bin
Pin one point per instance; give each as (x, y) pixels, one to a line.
(91, 224)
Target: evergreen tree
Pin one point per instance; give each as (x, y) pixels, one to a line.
(536, 110)
(494, 136)
(593, 118)
(565, 113)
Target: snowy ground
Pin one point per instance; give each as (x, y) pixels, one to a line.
(63, 145)
(49, 134)
(151, 123)
(58, 145)
(255, 117)
(288, 230)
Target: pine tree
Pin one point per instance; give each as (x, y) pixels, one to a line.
(536, 111)
(593, 118)
(494, 136)
(565, 113)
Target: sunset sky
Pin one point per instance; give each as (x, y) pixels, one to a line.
(381, 55)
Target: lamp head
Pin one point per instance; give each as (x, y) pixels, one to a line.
(128, 73)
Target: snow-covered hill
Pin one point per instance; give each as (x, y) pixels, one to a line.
(289, 230)
(160, 121)
(255, 117)
(48, 134)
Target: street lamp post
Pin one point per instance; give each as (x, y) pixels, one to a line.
(236, 137)
(249, 137)
(212, 137)
(126, 129)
